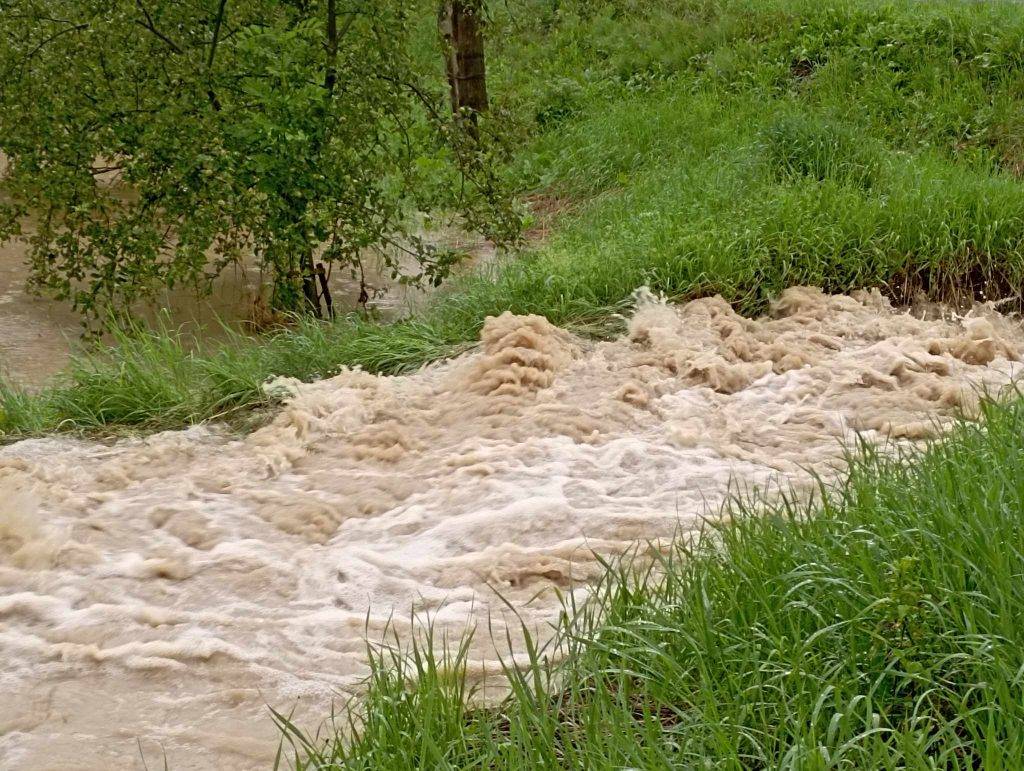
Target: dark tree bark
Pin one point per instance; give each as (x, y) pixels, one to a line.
(331, 76)
(461, 25)
(309, 285)
(325, 289)
(218, 23)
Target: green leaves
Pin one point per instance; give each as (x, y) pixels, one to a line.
(147, 158)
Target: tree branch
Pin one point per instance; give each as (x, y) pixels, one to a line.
(213, 52)
(54, 36)
(334, 36)
(216, 33)
(331, 76)
(148, 24)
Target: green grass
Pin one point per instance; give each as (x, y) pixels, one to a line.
(163, 378)
(880, 628)
(733, 147)
(702, 146)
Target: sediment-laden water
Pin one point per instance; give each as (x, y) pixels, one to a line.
(160, 592)
(38, 335)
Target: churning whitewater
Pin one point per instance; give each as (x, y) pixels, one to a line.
(158, 593)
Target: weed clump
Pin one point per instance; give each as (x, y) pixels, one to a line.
(797, 146)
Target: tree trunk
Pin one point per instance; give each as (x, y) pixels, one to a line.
(325, 289)
(461, 26)
(309, 285)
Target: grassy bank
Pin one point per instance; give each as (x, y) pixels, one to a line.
(695, 146)
(883, 629)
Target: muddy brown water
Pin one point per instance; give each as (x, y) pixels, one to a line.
(160, 592)
(38, 335)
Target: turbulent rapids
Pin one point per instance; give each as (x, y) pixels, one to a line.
(158, 593)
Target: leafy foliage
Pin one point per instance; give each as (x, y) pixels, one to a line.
(153, 143)
(697, 147)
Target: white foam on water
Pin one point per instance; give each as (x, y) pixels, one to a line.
(164, 590)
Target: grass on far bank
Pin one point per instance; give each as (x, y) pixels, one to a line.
(881, 629)
(703, 146)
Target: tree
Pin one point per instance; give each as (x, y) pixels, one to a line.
(461, 24)
(155, 142)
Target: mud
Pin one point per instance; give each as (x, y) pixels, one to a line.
(160, 592)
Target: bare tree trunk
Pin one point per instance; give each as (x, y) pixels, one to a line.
(325, 289)
(461, 25)
(309, 285)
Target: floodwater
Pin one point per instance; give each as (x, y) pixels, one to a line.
(38, 335)
(158, 593)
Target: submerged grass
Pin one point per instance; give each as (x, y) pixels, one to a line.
(882, 627)
(708, 146)
(163, 377)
